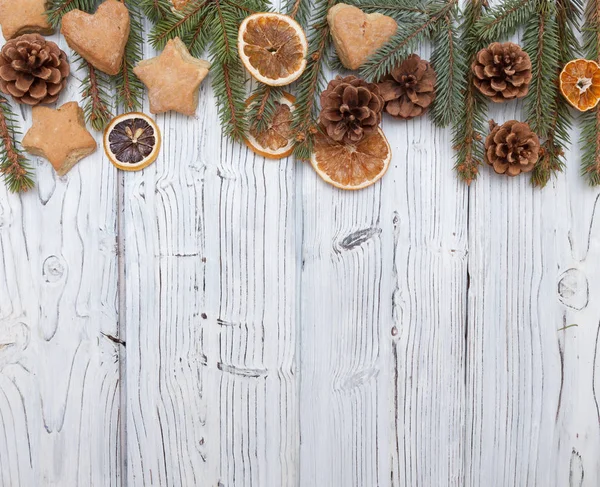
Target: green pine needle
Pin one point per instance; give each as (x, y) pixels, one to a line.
(95, 89)
(312, 80)
(470, 123)
(57, 8)
(502, 21)
(450, 67)
(406, 40)
(590, 121)
(130, 90)
(17, 172)
(156, 10)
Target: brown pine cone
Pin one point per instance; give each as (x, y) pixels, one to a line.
(33, 70)
(502, 71)
(350, 109)
(511, 148)
(409, 89)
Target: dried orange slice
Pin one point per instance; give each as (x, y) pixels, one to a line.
(580, 83)
(273, 48)
(277, 141)
(132, 141)
(352, 166)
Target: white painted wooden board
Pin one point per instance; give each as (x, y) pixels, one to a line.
(60, 392)
(280, 332)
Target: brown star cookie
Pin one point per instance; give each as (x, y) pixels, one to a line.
(60, 136)
(99, 38)
(173, 79)
(23, 16)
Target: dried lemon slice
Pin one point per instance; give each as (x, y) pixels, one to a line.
(132, 141)
(273, 48)
(352, 166)
(277, 141)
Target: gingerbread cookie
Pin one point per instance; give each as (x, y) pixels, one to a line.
(59, 136)
(356, 35)
(99, 38)
(19, 17)
(173, 79)
(180, 4)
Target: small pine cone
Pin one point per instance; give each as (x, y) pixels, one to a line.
(512, 148)
(502, 71)
(409, 89)
(350, 109)
(33, 70)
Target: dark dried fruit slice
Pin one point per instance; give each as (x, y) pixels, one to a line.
(132, 141)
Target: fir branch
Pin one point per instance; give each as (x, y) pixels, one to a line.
(263, 106)
(306, 112)
(130, 89)
(57, 8)
(16, 169)
(590, 121)
(156, 10)
(503, 21)
(449, 64)
(229, 76)
(540, 41)
(95, 88)
(403, 11)
(470, 124)
(180, 24)
(407, 38)
(552, 157)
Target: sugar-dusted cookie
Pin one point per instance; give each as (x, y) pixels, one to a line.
(59, 136)
(357, 35)
(23, 16)
(173, 79)
(99, 38)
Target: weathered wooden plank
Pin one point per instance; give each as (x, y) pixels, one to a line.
(59, 368)
(383, 299)
(532, 384)
(210, 309)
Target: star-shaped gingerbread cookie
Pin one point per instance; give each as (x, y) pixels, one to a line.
(22, 17)
(60, 136)
(173, 79)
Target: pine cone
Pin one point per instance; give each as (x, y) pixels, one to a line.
(511, 148)
(33, 70)
(502, 71)
(351, 109)
(409, 89)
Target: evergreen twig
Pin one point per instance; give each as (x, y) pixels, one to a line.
(407, 38)
(95, 91)
(156, 10)
(130, 89)
(449, 64)
(470, 124)
(557, 138)
(503, 20)
(590, 126)
(55, 9)
(310, 84)
(14, 166)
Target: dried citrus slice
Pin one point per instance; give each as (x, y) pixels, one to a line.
(277, 141)
(352, 166)
(580, 83)
(273, 48)
(132, 141)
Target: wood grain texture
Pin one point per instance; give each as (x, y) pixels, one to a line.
(59, 369)
(383, 317)
(210, 254)
(532, 382)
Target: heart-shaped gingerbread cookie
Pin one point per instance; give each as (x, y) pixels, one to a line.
(357, 35)
(99, 38)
